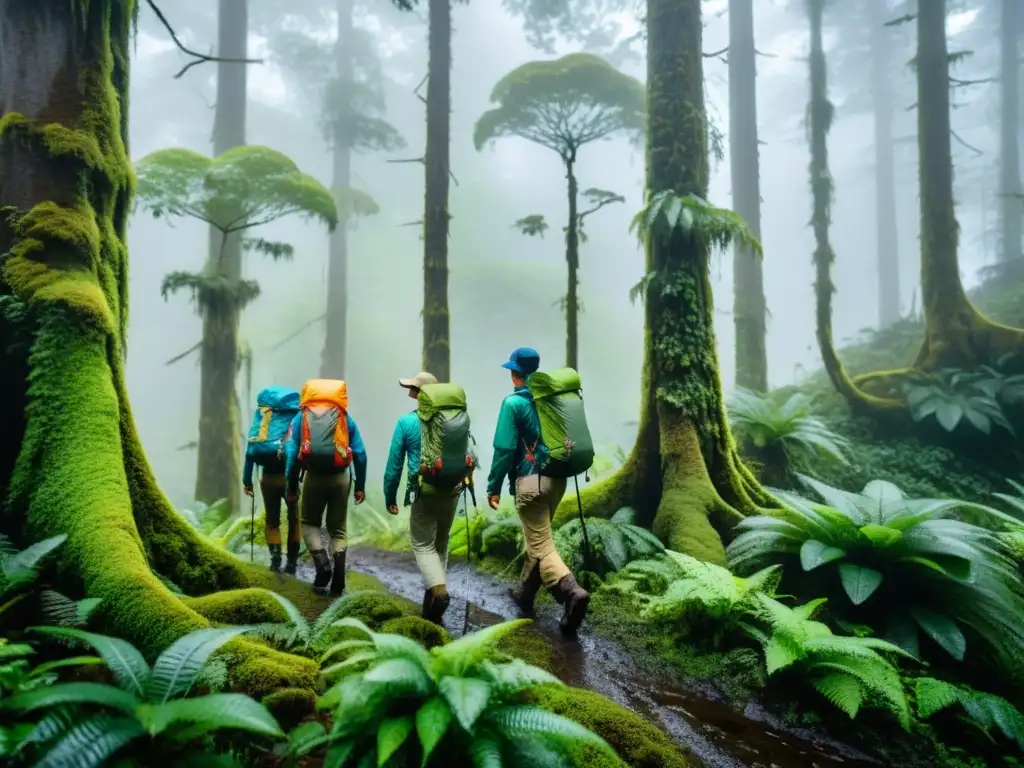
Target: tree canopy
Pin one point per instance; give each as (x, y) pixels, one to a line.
(563, 104)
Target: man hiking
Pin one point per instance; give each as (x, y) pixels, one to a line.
(275, 409)
(517, 448)
(436, 476)
(325, 442)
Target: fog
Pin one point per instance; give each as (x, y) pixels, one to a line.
(504, 286)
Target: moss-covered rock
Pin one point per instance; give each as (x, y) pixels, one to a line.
(291, 705)
(639, 743)
(424, 632)
(528, 644)
(374, 608)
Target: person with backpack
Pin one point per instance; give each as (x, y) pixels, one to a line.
(436, 439)
(325, 443)
(275, 409)
(532, 442)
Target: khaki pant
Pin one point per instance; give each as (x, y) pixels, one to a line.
(430, 522)
(537, 498)
(325, 492)
(272, 491)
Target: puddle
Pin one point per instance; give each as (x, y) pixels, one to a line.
(716, 734)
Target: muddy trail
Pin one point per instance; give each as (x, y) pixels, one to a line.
(716, 734)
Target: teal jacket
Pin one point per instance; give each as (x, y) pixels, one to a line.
(518, 428)
(405, 442)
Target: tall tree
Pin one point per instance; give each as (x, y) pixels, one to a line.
(66, 190)
(749, 309)
(956, 334)
(218, 464)
(1011, 192)
(564, 105)
(683, 476)
(886, 235)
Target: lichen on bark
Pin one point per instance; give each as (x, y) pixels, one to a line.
(72, 462)
(684, 475)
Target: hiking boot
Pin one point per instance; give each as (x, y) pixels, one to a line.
(574, 600)
(275, 557)
(292, 563)
(322, 563)
(338, 581)
(524, 593)
(435, 603)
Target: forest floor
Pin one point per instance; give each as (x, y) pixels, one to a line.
(694, 714)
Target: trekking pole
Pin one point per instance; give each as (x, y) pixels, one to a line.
(252, 530)
(583, 523)
(468, 488)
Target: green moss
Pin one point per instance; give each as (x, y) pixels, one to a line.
(245, 606)
(291, 705)
(424, 632)
(259, 671)
(375, 608)
(528, 644)
(639, 743)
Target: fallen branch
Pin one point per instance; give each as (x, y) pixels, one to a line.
(199, 58)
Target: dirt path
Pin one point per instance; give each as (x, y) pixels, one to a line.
(720, 737)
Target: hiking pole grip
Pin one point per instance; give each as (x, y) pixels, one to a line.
(583, 523)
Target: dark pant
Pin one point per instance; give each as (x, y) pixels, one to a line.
(272, 491)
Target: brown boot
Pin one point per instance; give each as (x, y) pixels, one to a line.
(524, 593)
(435, 603)
(574, 600)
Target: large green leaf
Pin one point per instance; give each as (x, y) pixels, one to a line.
(949, 414)
(126, 663)
(176, 669)
(91, 742)
(943, 630)
(215, 712)
(391, 736)
(859, 582)
(94, 694)
(816, 553)
(881, 535)
(432, 721)
(467, 697)
(22, 566)
(400, 675)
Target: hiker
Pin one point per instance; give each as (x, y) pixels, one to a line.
(325, 443)
(520, 455)
(436, 477)
(275, 409)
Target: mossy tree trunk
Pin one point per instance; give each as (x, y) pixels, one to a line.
(749, 308)
(218, 468)
(436, 318)
(684, 476)
(572, 260)
(1012, 197)
(332, 363)
(886, 239)
(73, 463)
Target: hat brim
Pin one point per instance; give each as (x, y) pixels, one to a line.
(407, 383)
(508, 365)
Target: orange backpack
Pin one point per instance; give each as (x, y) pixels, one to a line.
(324, 408)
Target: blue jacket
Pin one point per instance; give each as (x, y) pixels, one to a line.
(517, 428)
(405, 441)
(277, 468)
(294, 443)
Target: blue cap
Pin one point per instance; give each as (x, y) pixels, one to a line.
(523, 361)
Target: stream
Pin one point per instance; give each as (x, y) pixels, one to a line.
(708, 728)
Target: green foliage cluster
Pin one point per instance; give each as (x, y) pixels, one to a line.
(452, 705)
(905, 567)
(981, 399)
(614, 543)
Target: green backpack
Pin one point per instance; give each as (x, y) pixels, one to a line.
(558, 398)
(446, 454)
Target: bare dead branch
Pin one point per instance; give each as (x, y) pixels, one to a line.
(297, 331)
(420, 160)
(183, 355)
(198, 58)
(971, 147)
(716, 54)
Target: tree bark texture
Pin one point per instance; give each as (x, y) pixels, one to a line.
(887, 241)
(683, 476)
(436, 318)
(79, 468)
(749, 310)
(336, 338)
(218, 469)
(572, 260)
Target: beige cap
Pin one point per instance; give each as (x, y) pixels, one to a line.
(418, 381)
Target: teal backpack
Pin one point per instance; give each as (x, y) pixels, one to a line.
(275, 409)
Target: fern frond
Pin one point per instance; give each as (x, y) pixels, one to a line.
(90, 743)
(844, 691)
(176, 669)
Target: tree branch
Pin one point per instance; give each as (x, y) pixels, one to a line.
(420, 160)
(971, 147)
(299, 330)
(183, 355)
(199, 58)
(716, 54)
